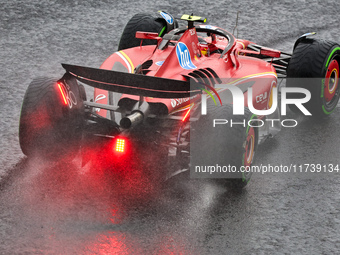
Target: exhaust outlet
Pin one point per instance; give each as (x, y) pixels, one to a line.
(136, 117)
(132, 120)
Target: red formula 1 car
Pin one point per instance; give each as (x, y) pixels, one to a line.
(174, 98)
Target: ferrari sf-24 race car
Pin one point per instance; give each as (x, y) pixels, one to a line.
(177, 97)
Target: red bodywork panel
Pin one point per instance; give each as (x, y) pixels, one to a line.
(188, 55)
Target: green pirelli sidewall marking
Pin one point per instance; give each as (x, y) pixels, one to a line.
(252, 117)
(243, 177)
(160, 33)
(325, 111)
(331, 55)
(322, 87)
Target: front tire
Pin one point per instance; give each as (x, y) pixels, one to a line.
(140, 22)
(319, 61)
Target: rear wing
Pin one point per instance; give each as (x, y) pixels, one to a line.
(133, 84)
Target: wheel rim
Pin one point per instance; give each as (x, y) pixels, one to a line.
(331, 82)
(248, 154)
(250, 147)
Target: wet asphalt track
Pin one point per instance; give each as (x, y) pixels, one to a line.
(63, 209)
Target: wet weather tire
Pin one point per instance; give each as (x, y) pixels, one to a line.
(229, 148)
(50, 125)
(140, 22)
(317, 60)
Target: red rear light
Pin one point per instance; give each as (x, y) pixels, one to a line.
(62, 92)
(120, 145)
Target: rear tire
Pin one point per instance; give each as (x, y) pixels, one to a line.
(48, 127)
(224, 145)
(140, 22)
(317, 59)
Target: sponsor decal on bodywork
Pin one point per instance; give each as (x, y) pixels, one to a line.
(184, 57)
(159, 63)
